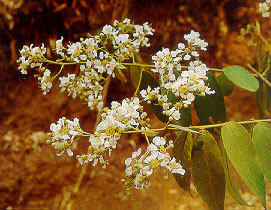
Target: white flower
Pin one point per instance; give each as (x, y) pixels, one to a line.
(185, 84)
(152, 148)
(59, 47)
(128, 161)
(107, 29)
(75, 50)
(159, 141)
(175, 113)
(122, 116)
(187, 57)
(70, 153)
(45, 81)
(63, 134)
(122, 38)
(264, 8)
(31, 57)
(194, 40)
(140, 168)
(175, 167)
(136, 153)
(129, 171)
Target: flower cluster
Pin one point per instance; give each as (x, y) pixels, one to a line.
(98, 57)
(264, 8)
(128, 115)
(140, 168)
(127, 37)
(183, 84)
(45, 81)
(31, 57)
(64, 133)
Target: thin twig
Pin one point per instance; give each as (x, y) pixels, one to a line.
(259, 74)
(180, 128)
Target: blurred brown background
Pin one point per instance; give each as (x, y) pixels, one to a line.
(32, 176)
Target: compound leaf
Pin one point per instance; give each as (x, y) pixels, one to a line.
(242, 154)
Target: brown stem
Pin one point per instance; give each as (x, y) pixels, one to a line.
(259, 74)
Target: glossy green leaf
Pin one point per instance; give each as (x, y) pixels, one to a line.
(211, 105)
(262, 142)
(241, 77)
(242, 154)
(208, 172)
(229, 181)
(225, 85)
(182, 152)
(186, 117)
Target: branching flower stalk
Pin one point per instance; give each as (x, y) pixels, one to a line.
(100, 58)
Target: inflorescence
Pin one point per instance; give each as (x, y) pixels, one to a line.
(98, 58)
(264, 8)
(182, 84)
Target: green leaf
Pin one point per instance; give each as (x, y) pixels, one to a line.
(242, 154)
(186, 117)
(211, 105)
(241, 77)
(225, 85)
(229, 181)
(207, 171)
(182, 152)
(262, 142)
